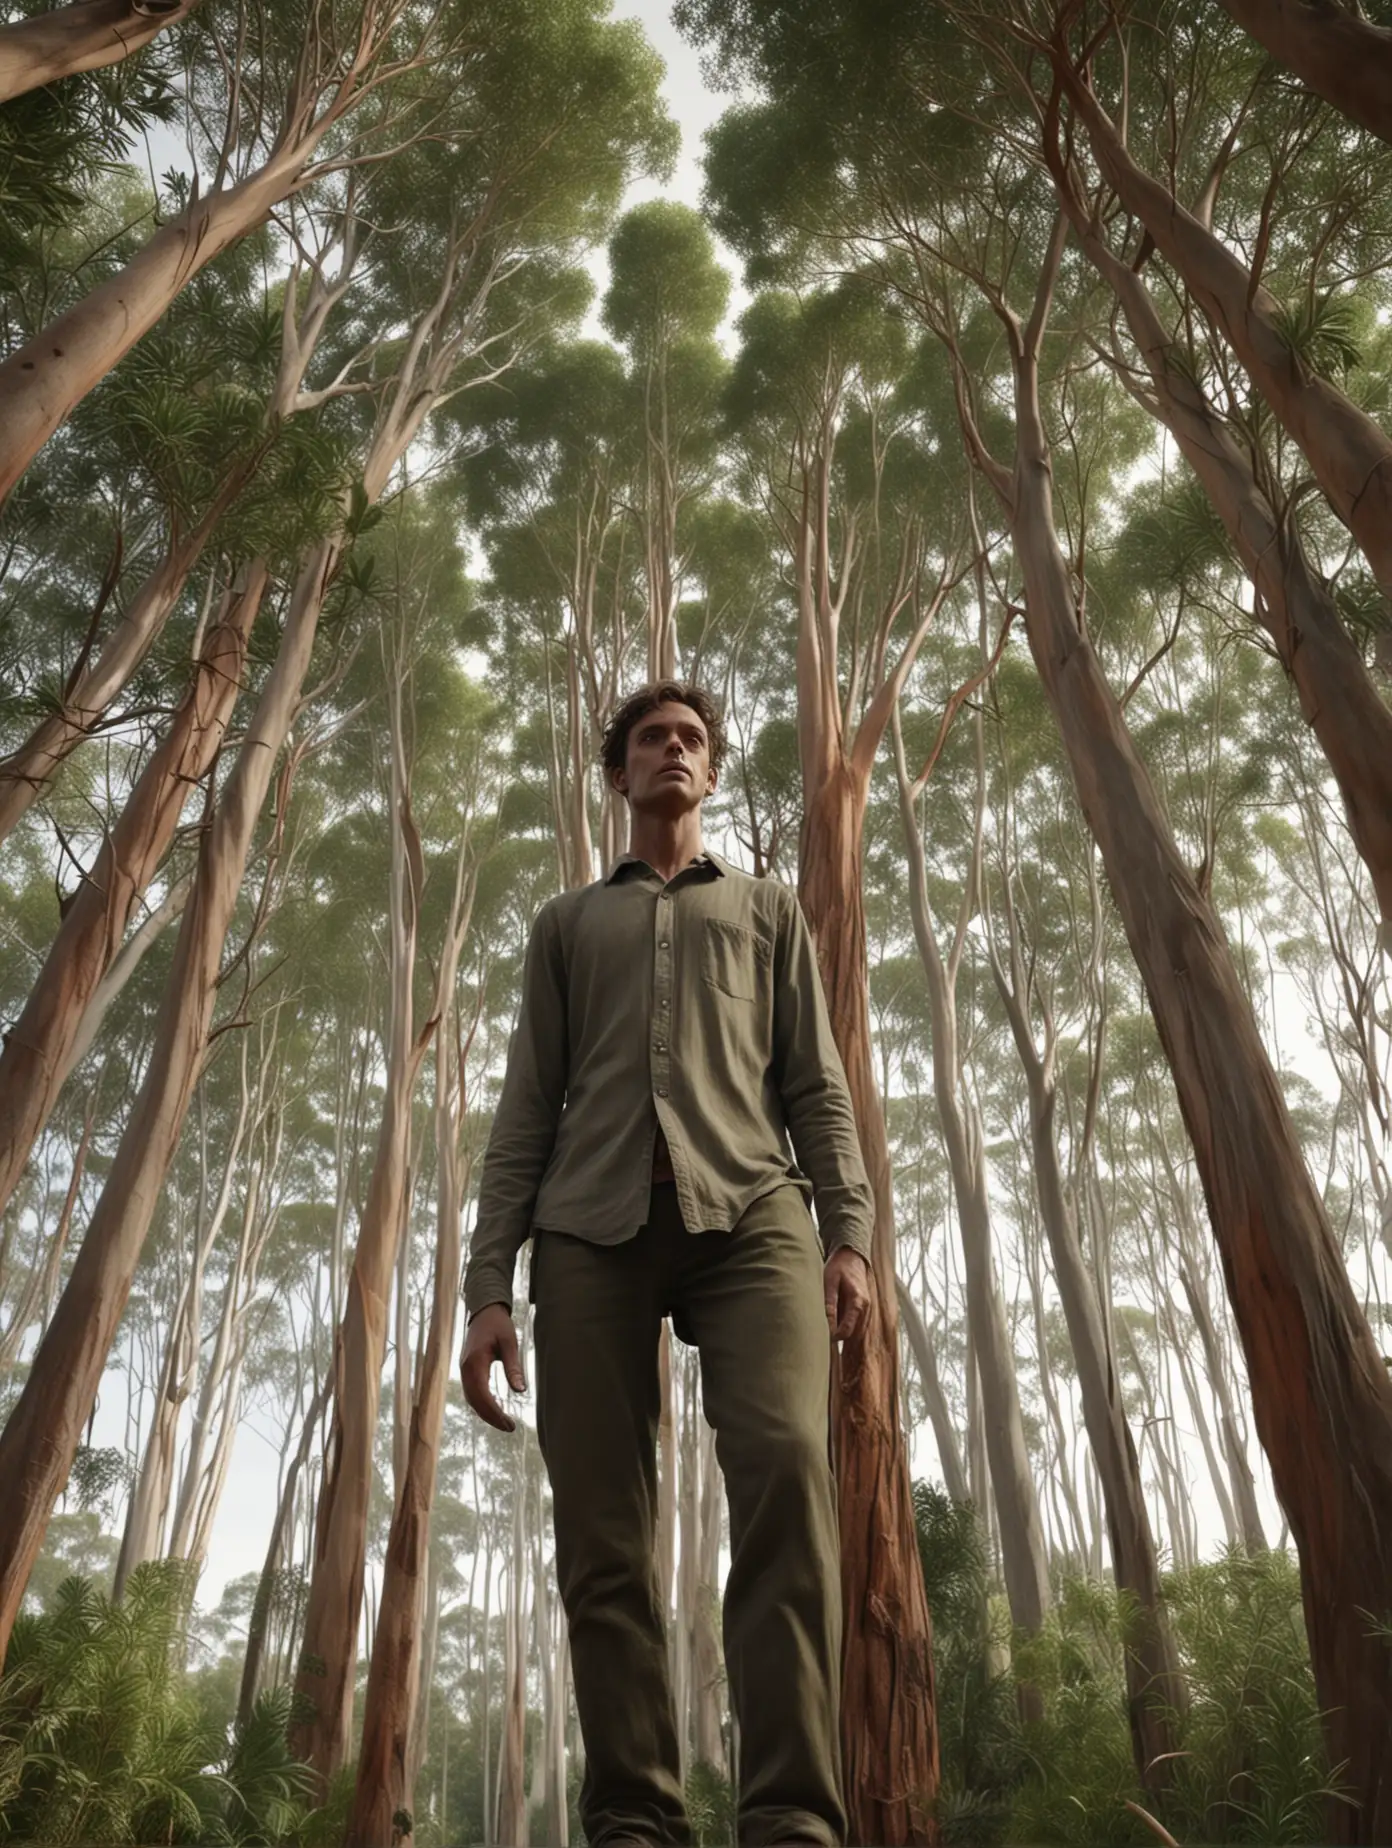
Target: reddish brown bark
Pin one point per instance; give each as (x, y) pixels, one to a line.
(46, 1425)
(1347, 714)
(35, 1056)
(1342, 57)
(1349, 454)
(1320, 1391)
(82, 37)
(889, 1730)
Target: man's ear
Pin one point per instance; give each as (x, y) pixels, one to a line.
(618, 780)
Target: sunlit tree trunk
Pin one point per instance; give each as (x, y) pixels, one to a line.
(329, 1649)
(1023, 1551)
(36, 1053)
(46, 1425)
(513, 1831)
(81, 37)
(1322, 1398)
(708, 1737)
(384, 1784)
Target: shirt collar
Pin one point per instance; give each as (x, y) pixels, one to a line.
(626, 860)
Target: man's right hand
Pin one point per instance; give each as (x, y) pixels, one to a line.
(491, 1336)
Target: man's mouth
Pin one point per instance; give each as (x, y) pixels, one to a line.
(676, 770)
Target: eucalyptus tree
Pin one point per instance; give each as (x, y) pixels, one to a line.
(667, 295)
(1323, 1401)
(83, 36)
(1342, 56)
(839, 470)
(480, 276)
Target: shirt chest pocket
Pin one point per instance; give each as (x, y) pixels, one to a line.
(734, 959)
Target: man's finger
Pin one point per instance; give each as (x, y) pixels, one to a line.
(512, 1365)
(480, 1397)
(831, 1292)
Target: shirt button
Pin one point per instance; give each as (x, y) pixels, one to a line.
(664, 1003)
(662, 1046)
(662, 1090)
(663, 944)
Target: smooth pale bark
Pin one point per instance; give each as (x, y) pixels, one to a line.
(133, 952)
(513, 1830)
(46, 1425)
(1244, 1487)
(1155, 1685)
(1321, 1395)
(384, 1782)
(1340, 55)
(258, 1626)
(1338, 697)
(1349, 454)
(944, 1431)
(665, 1536)
(36, 1054)
(1023, 1554)
(329, 1651)
(28, 770)
(43, 1283)
(82, 37)
(707, 1668)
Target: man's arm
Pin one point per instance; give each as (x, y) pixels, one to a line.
(816, 1098)
(524, 1127)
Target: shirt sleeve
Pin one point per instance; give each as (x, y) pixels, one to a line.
(816, 1097)
(524, 1125)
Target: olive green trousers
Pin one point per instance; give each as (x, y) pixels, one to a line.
(751, 1301)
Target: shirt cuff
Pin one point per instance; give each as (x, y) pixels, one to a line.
(489, 1283)
(860, 1238)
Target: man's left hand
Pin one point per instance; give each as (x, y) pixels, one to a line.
(846, 1285)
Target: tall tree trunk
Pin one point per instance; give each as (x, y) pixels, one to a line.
(939, 1416)
(43, 1284)
(81, 37)
(1349, 454)
(385, 1785)
(133, 952)
(1023, 1551)
(1244, 1487)
(708, 1735)
(36, 1053)
(1321, 1394)
(1341, 55)
(513, 1829)
(329, 1654)
(258, 1626)
(1155, 1684)
(1338, 697)
(889, 1716)
(46, 1425)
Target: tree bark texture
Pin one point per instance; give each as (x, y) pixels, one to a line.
(46, 1425)
(1321, 1395)
(36, 1054)
(1340, 55)
(82, 37)
(889, 1716)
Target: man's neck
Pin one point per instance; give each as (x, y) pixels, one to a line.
(667, 846)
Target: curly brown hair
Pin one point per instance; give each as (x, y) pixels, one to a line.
(614, 750)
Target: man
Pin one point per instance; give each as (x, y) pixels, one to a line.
(672, 1035)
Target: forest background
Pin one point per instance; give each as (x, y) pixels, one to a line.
(991, 403)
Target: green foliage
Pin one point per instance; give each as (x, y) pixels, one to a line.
(1250, 1766)
(101, 1739)
(710, 1806)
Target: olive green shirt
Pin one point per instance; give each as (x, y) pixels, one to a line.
(694, 1006)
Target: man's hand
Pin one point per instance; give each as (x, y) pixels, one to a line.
(846, 1285)
(491, 1337)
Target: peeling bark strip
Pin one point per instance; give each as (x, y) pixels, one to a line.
(1339, 55)
(1320, 1392)
(82, 37)
(1349, 454)
(46, 1425)
(36, 1055)
(1347, 714)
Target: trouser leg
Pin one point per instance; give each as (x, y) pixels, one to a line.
(598, 1397)
(752, 1301)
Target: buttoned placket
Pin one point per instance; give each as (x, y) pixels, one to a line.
(660, 1044)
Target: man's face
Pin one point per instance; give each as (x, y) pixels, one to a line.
(667, 768)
